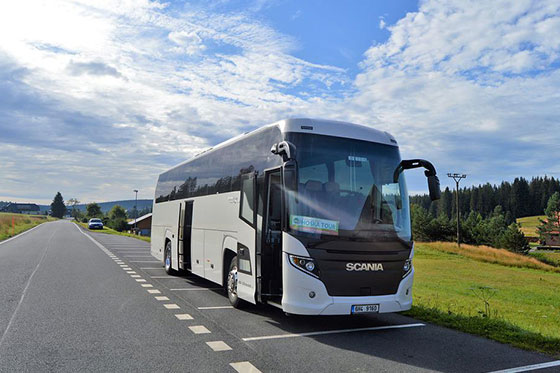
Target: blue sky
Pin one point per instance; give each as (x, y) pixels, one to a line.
(97, 98)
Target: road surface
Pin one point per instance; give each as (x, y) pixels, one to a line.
(72, 300)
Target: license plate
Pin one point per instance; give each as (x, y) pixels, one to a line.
(365, 308)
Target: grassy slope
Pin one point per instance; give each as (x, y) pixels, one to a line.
(22, 223)
(525, 309)
(529, 225)
(112, 231)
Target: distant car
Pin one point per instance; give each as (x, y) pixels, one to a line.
(95, 224)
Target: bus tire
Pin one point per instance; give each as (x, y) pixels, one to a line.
(231, 284)
(167, 259)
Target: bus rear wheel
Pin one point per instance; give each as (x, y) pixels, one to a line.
(167, 259)
(231, 284)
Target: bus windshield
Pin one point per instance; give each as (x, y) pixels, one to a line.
(346, 189)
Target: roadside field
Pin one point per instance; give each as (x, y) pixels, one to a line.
(520, 306)
(529, 224)
(108, 230)
(551, 257)
(21, 222)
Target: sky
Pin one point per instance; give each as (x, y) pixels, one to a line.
(97, 98)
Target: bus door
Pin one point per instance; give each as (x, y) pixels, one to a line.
(246, 239)
(184, 236)
(271, 272)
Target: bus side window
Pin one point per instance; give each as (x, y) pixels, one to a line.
(247, 200)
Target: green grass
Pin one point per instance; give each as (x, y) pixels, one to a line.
(112, 231)
(22, 222)
(524, 311)
(529, 224)
(547, 256)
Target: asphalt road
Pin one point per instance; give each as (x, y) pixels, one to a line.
(77, 301)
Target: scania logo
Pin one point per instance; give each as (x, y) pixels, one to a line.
(364, 267)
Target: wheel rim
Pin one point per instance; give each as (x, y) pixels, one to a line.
(232, 282)
(167, 259)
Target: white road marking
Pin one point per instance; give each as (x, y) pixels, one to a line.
(215, 308)
(181, 289)
(170, 277)
(183, 316)
(127, 269)
(131, 272)
(199, 329)
(218, 346)
(162, 298)
(339, 331)
(147, 285)
(530, 367)
(151, 267)
(134, 276)
(154, 291)
(144, 261)
(138, 256)
(244, 367)
(171, 306)
(140, 280)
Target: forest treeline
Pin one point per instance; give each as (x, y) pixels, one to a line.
(518, 199)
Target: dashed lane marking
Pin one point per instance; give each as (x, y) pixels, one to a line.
(244, 367)
(154, 291)
(171, 306)
(144, 261)
(215, 308)
(183, 316)
(147, 285)
(185, 289)
(131, 272)
(218, 346)
(127, 269)
(162, 298)
(134, 276)
(168, 277)
(339, 331)
(151, 267)
(137, 256)
(527, 368)
(199, 329)
(140, 280)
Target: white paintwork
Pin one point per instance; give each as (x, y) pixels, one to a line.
(216, 228)
(218, 346)
(172, 306)
(199, 329)
(183, 316)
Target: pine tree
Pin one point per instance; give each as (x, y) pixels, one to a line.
(552, 221)
(514, 240)
(58, 209)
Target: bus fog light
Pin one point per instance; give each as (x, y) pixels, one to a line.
(310, 266)
(311, 294)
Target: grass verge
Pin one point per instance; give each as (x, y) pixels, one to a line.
(529, 224)
(22, 222)
(112, 231)
(548, 257)
(492, 328)
(518, 305)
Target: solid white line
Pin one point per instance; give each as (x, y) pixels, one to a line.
(171, 306)
(218, 346)
(529, 367)
(194, 289)
(331, 332)
(244, 367)
(19, 235)
(25, 288)
(214, 308)
(199, 329)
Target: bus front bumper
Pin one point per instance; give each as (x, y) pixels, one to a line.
(307, 295)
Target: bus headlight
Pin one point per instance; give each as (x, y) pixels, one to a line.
(304, 264)
(407, 267)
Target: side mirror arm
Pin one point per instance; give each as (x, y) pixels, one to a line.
(433, 181)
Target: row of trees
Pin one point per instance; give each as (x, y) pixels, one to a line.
(518, 199)
(493, 230)
(116, 218)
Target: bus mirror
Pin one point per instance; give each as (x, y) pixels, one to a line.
(290, 176)
(433, 187)
(285, 149)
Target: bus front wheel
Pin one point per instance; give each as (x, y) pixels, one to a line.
(231, 285)
(167, 259)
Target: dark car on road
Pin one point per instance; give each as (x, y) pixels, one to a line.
(95, 224)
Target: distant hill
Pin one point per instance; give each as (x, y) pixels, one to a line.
(106, 206)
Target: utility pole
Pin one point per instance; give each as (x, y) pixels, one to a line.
(457, 178)
(135, 209)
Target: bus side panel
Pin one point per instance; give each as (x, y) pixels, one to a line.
(197, 251)
(213, 255)
(164, 219)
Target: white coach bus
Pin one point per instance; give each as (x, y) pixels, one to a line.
(307, 215)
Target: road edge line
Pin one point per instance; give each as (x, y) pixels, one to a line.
(22, 233)
(527, 368)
